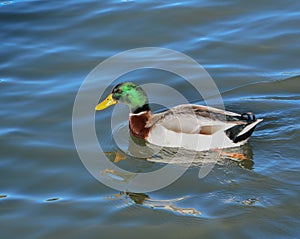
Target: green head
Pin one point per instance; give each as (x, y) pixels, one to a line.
(127, 93)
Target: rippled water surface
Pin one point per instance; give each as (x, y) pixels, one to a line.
(250, 49)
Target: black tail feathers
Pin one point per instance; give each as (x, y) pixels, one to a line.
(242, 132)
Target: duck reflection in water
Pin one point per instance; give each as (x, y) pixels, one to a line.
(151, 155)
(167, 204)
(140, 149)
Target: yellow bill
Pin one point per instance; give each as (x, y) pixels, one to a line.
(106, 103)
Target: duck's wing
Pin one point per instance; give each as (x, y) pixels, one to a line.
(203, 114)
(198, 119)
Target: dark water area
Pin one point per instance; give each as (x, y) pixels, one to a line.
(250, 49)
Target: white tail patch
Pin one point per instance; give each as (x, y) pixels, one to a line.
(249, 127)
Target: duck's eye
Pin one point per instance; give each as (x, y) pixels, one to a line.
(119, 91)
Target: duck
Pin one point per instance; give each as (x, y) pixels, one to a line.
(189, 126)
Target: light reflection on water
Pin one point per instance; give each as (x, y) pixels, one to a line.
(167, 204)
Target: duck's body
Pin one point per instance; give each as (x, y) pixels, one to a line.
(189, 126)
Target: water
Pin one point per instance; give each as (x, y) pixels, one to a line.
(251, 49)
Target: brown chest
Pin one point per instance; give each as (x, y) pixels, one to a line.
(137, 124)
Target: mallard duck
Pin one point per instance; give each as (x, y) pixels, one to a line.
(190, 126)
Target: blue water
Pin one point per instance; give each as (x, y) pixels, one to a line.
(250, 49)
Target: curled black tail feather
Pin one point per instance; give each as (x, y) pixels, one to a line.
(249, 117)
(233, 132)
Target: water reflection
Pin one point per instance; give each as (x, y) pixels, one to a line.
(52, 199)
(120, 176)
(6, 2)
(241, 156)
(147, 158)
(140, 149)
(168, 204)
